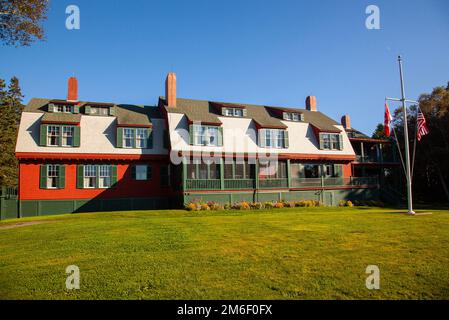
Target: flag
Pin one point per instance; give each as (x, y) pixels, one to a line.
(387, 120)
(421, 125)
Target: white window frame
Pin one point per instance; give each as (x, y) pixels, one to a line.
(141, 138)
(274, 138)
(66, 135)
(90, 174)
(52, 176)
(296, 117)
(202, 135)
(53, 132)
(127, 137)
(104, 174)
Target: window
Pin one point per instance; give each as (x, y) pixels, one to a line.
(206, 135)
(53, 136)
(292, 116)
(102, 111)
(141, 138)
(233, 112)
(90, 176)
(311, 171)
(143, 172)
(328, 170)
(275, 138)
(165, 175)
(105, 176)
(52, 176)
(128, 138)
(67, 136)
(331, 141)
(63, 108)
(273, 170)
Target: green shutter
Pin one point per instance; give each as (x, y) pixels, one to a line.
(80, 176)
(149, 172)
(220, 136)
(245, 113)
(302, 170)
(119, 137)
(321, 141)
(150, 138)
(43, 135)
(43, 177)
(133, 172)
(301, 116)
(191, 134)
(286, 144)
(340, 141)
(61, 178)
(113, 175)
(223, 111)
(76, 109)
(262, 138)
(112, 111)
(284, 115)
(87, 109)
(76, 136)
(51, 107)
(338, 170)
(61, 128)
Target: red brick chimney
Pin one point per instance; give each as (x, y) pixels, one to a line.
(170, 90)
(311, 103)
(72, 94)
(346, 121)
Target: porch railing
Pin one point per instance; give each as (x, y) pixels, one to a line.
(240, 184)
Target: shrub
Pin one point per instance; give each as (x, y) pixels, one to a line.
(191, 206)
(205, 207)
(256, 205)
(289, 204)
(345, 203)
(279, 205)
(227, 206)
(268, 205)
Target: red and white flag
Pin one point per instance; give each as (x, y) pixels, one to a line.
(421, 125)
(387, 119)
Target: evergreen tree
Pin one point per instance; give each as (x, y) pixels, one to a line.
(10, 110)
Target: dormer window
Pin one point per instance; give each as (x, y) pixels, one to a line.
(331, 141)
(96, 110)
(62, 108)
(234, 112)
(293, 116)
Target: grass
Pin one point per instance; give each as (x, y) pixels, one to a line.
(295, 253)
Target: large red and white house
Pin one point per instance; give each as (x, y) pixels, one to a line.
(77, 156)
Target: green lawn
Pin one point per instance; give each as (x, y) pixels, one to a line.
(297, 253)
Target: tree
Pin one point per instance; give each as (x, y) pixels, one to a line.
(379, 133)
(10, 110)
(20, 21)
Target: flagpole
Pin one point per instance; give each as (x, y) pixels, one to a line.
(407, 152)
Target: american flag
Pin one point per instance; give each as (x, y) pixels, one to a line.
(421, 124)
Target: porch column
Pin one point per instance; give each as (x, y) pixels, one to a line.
(184, 173)
(381, 153)
(257, 173)
(362, 151)
(222, 185)
(289, 174)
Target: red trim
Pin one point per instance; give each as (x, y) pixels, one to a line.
(370, 140)
(260, 126)
(64, 102)
(319, 130)
(89, 156)
(225, 105)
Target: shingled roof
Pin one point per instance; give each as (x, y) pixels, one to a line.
(205, 111)
(127, 115)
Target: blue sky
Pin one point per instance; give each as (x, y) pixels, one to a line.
(262, 52)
